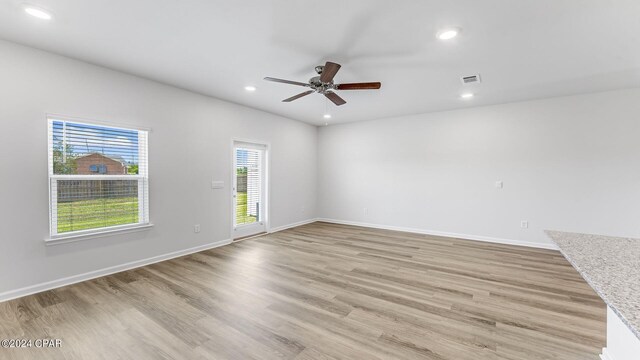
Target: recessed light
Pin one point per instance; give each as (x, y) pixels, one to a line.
(327, 116)
(250, 88)
(448, 34)
(467, 95)
(37, 12)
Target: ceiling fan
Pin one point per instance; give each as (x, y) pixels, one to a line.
(323, 84)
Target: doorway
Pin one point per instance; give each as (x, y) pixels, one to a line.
(249, 189)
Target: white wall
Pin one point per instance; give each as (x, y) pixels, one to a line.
(189, 146)
(568, 163)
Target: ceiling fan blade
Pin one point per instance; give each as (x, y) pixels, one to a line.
(335, 98)
(298, 96)
(330, 70)
(286, 81)
(359, 86)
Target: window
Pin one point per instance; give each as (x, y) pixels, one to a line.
(98, 168)
(98, 178)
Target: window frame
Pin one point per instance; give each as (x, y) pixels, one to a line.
(142, 177)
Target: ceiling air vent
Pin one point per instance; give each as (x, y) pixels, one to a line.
(471, 79)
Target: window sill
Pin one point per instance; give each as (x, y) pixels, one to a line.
(73, 237)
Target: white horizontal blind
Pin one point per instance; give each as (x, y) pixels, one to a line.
(98, 177)
(249, 190)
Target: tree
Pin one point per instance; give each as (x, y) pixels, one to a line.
(133, 169)
(64, 159)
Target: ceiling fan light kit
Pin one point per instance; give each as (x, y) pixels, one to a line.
(323, 84)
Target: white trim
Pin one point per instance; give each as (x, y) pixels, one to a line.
(289, 226)
(29, 290)
(90, 121)
(248, 141)
(606, 355)
(53, 207)
(97, 177)
(74, 236)
(444, 234)
(251, 145)
(143, 172)
(232, 188)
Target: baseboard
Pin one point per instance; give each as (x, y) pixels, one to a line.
(289, 226)
(606, 355)
(443, 234)
(33, 289)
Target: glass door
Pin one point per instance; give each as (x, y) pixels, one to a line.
(249, 210)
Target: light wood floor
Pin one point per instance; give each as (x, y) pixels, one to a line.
(324, 291)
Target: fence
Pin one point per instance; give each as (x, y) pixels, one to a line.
(76, 190)
(241, 183)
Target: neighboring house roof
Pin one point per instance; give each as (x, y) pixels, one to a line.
(114, 158)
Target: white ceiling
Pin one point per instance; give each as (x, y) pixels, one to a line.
(523, 49)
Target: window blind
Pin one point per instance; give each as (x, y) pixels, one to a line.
(98, 177)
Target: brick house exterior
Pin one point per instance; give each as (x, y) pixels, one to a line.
(92, 164)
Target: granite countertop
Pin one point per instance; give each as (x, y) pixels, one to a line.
(611, 265)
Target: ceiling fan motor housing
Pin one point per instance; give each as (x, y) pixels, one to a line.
(319, 86)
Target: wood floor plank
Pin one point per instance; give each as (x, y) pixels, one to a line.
(324, 291)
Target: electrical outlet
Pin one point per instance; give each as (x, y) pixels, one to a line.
(196, 228)
(524, 224)
(499, 184)
(302, 209)
(366, 211)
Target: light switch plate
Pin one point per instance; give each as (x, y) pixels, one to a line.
(217, 184)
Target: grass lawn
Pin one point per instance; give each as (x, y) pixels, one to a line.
(241, 210)
(91, 214)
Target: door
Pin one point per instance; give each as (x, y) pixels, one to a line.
(249, 189)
